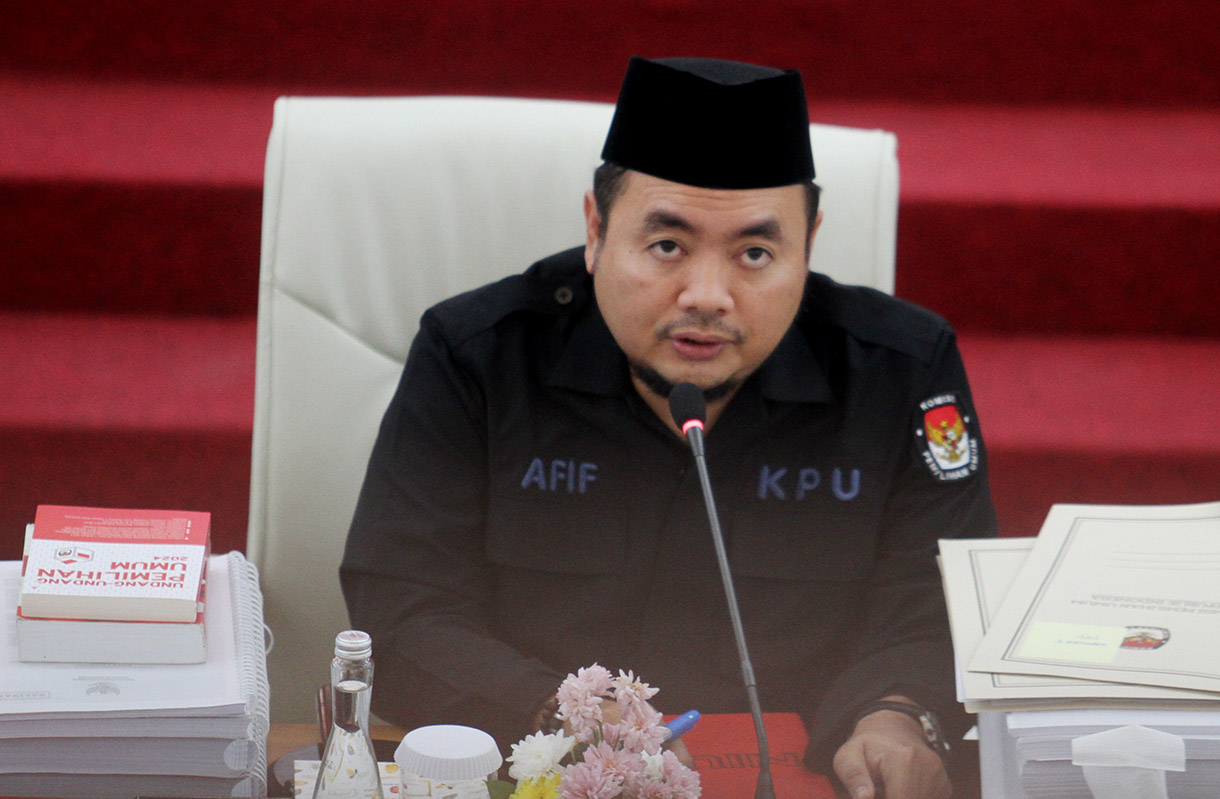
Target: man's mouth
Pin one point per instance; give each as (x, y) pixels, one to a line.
(697, 346)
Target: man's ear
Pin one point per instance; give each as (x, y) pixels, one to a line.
(593, 231)
(813, 231)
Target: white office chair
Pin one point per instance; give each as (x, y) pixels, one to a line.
(374, 209)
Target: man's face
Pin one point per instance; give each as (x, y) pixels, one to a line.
(698, 285)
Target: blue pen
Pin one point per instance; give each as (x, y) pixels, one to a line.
(681, 725)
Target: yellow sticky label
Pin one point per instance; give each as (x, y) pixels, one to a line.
(1083, 643)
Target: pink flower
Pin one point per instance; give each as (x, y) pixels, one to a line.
(580, 699)
(651, 783)
(630, 691)
(588, 781)
(592, 680)
(683, 781)
(613, 761)
(651, 789)
(622, 763)
(611, 734)
(640, 728)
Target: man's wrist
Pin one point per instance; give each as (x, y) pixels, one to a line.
(933, 736)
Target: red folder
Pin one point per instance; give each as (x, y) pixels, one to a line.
(725, 752)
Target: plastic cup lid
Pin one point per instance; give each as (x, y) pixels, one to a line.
(448, 753)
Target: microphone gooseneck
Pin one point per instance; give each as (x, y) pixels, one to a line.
(689, 410)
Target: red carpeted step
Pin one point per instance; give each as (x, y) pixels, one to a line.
(1003, 51)
(146, 198)
(111, 372)
(180, 469)
(130, 197)
(1098, 420)
(129, 247)
(1056, 220)
(125, 412)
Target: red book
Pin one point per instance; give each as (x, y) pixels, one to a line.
(112, 564)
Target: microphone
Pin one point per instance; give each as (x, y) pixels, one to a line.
(688, 408)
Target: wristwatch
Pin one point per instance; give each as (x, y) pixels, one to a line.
(927, 720)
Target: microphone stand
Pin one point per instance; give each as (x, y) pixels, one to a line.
(765, 788)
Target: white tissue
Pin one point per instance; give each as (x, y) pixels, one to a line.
(1128, 762)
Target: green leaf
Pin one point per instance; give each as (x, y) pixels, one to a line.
(500, 789)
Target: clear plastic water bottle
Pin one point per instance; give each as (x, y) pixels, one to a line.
(349, 764)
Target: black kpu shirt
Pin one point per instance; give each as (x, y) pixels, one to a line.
(525, 514)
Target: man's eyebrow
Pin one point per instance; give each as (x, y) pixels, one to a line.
(768, 229)
(657, 221)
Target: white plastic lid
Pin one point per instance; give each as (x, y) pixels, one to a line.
(448, 753)
(353, 645)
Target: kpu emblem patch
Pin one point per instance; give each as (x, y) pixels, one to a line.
(950, 449)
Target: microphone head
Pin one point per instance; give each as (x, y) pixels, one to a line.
(686, 405)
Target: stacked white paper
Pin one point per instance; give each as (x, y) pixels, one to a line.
(111, 730)
(1092, 652)
(1057, 752)
(1044, 780)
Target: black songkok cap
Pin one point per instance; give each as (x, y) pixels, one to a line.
(714, 124)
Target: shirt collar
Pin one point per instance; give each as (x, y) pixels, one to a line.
(794, 372)
(590, 359)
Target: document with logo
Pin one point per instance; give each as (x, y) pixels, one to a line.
(1117, 593)
(977, 574)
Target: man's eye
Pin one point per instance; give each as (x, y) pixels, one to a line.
(666, 248)
(756, 257)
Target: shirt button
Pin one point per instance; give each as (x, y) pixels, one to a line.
(563, 295)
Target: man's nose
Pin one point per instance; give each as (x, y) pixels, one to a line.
(707, 286)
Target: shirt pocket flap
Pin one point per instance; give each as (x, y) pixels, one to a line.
(548, 534)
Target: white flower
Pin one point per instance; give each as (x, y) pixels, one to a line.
(654, 767)
(538, 756)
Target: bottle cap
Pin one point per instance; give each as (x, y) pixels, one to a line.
(353, 645)
(448, 753)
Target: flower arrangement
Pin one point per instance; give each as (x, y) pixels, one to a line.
(604, 757)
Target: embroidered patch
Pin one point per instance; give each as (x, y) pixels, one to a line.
(950, 449)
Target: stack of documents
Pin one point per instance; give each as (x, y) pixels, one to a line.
(1064, 754)
(124, 730)
(1109, 619)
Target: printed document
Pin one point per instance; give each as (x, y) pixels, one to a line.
(1116, 593)
(34, 690)
(977, 574)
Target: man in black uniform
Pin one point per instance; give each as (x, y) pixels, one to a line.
(531, 508)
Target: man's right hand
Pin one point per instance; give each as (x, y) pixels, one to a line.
(888, 756)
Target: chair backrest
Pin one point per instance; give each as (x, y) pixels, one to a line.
(374, 209)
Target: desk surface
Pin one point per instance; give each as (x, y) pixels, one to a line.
(721, 746)
(285, 738)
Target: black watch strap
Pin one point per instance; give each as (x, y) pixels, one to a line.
(932, 732)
